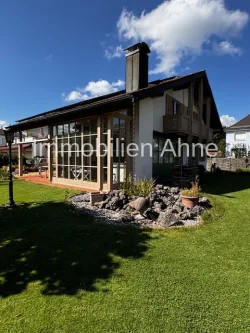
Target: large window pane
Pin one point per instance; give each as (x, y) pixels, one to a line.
(93, 126)
(93, 175)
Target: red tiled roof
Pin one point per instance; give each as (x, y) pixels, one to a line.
(14, 147)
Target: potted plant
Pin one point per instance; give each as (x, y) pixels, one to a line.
(190, 197)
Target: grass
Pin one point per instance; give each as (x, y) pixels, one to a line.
(60, 272)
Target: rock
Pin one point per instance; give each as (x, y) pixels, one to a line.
(82, 198)
(171, 199)
(151, 214)
(204, 202)
(140, 204)
(160, 205)
(167, 219)
(159, 187)
(115, 203)
(177, 208)
(197, 211)
(139, 217)
(175, 190)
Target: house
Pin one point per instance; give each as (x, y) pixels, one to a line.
(28, 149)
(238, 138)
(2, 138)
(144, 113)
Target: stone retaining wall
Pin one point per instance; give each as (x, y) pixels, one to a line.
(228, 164)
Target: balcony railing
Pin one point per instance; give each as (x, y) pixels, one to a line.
(180, 123)
(175, 123)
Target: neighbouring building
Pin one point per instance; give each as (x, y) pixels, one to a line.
(145, 112)
(238, 138)
(2, 138)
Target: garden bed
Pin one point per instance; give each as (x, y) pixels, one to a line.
(162, 208)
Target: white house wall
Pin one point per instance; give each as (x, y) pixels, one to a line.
(39, 149)
(144, 134)
(159, 106)
(180, 95)
(2, 140)
(149, 119)
(231, 142)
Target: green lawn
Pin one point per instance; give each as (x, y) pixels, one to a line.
(62, 273)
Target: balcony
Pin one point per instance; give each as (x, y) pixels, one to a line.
(175, 123)
(181, 124)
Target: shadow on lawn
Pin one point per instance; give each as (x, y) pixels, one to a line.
(65, 253)
(225, 182)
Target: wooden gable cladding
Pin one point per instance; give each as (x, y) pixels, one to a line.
(169, 109)
(169, 104)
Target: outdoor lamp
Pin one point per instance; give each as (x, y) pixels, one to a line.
(9, 139)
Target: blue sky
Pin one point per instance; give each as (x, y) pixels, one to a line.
(58, 52)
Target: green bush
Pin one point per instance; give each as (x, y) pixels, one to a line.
(4, 159)
(142, 188)
(243, 171)
(3, 174)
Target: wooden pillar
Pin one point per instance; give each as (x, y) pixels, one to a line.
(201, 97)
(50, 157)
(110, 153)
(99, 153)
(208, 112)
(190, 106)
(20, 155)
(129, 167)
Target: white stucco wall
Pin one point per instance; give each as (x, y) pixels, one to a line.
(180, 95)
(159, 109)
(159, 106)
(231, 142)
(2, 140)
(144, 134)
(149, 119)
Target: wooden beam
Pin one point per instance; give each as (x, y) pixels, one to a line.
(117, 114)
(208, 112)
(50, 157)
(201, 93)
(190, 105)
(99, 153)
(110, 153)
(20, 156)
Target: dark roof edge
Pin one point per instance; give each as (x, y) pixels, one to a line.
(53, 115)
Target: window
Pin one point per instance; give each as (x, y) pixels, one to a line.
(158, 158)
(69, 142)
(240, 136)
(176, 107)
(195, 116)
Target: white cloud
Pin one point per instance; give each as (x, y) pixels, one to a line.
(226, 47)
(180, 28)
(93, 89)
(113, 52)
(3, 123)
(48, 57)
(227, 121)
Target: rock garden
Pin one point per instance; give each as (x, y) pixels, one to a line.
(162, 207)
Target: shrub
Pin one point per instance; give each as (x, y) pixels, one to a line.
(193, 192)
(3, 174)
(4, 159)
(243, 171)
(142, 188)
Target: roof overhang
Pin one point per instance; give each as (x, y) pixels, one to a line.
(74, 112)
(237, 128)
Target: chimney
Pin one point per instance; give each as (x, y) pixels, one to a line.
(137, 67)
